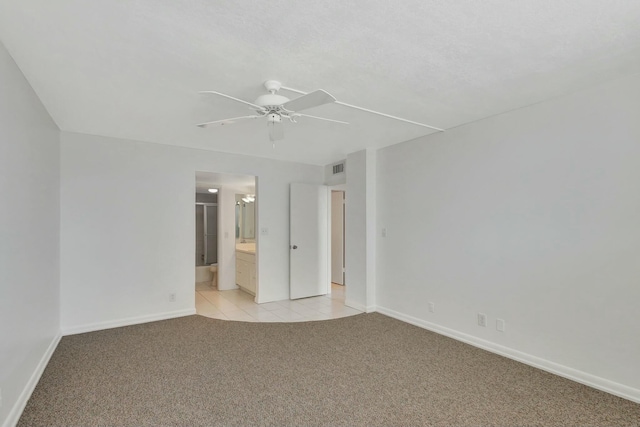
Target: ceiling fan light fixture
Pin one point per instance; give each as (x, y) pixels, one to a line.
(274, 118)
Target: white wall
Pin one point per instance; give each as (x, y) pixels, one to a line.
(360, 230)
(533, 217)
(127, 227)
(29, 238)
(337, 179)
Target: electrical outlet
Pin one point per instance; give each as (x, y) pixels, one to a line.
(482, 319)
(172, 297)
(384, 232)
(500, 325)
(432, 307)
(264, 231)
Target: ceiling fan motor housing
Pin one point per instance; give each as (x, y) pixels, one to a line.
(271, 100)
(272, 86)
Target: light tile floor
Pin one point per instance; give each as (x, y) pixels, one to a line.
(238, 305)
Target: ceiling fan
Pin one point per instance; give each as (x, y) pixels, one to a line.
(276, 107)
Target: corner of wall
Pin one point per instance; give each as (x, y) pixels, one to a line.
(16, 411)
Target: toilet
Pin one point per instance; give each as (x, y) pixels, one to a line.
(214, 275)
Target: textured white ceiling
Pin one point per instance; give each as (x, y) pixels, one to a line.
(132, 68)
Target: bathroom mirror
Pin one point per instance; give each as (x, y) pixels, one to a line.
(245, 217)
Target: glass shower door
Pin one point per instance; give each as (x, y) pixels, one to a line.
(210, 234)
(200, 235)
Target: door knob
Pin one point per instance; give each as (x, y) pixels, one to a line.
(294, 247)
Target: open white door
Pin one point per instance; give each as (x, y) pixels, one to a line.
(309, 241)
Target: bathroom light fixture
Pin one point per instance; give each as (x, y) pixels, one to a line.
(248, 198)
(213, 190)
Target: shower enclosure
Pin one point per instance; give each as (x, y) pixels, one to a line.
(206, 234)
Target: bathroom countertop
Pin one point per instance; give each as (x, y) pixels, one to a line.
(247, 248)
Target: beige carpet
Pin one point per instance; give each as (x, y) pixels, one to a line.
(365, 370)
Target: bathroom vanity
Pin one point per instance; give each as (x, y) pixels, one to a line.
(246, 267)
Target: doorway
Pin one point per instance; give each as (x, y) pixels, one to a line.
(246, 266)
(206, 249)
(337, 237)
(217, 241)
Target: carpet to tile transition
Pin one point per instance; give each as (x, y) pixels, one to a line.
(364, 370)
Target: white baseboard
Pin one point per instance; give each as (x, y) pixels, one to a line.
(127, 321)
(18, 407)
(585, 378)
(355, 305)
(361, 307)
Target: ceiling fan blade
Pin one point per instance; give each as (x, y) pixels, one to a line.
(310, 100)
(250, 104)
(320, 118)
(370, 111)
(227, 121)
(276, 131)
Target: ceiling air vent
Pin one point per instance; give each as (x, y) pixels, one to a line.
(339, 168)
